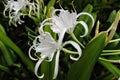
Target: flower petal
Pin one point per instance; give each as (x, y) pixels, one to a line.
(37, 67)
(29, 53)
(76, 46)
(85, 26)
(88, 14)
(56, 64)
(56, 10)
(45, 45)
(61, 36)
(45, 23)
(58, 25)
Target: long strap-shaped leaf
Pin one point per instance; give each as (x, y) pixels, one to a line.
(6, 54)
(82, 69)
(7, 41)
(112, 68)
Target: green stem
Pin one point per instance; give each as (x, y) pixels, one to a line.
(38, 9)
(68, 51)
(107, 54)
(109, 60)
(115, 40)
(111, 51)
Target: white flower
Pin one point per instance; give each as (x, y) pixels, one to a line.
(47, 47)
(15, 10)
(45, 44)
(66, 21)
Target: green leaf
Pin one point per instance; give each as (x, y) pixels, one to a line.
(47, 68)
(51, 3)
(88, 9)
(30, 31)
(114, 25)
(6, 54)
(36, 20)
(82, 69)
(111, 17)
(112, 68)
(6, 69)
(2, 29)
(106, 77)
(8, 42)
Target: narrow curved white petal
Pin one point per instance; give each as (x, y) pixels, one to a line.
(85, 27)
(88, 14)
(37, 67)
(61, 36)
(55, 24)
(56, 64)
(77, 47)
(35, 41)
(4, 12)
(56, 10)
(29, 53)
(46, 22)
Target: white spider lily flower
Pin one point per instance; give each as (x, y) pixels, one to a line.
(62, 23)
(66, 21)
(14, 9)
(47, 47)
(45, 44)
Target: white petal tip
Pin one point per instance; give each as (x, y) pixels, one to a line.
(83, 36)
(75, 59)
(40, 76)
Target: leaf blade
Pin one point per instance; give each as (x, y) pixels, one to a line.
(81, 70)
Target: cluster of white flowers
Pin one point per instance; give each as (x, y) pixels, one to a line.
(14, 9)
(47, 46)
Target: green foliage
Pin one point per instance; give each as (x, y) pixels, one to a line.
(81, 70)
(113, 69)
(99, 60)
(10, 51)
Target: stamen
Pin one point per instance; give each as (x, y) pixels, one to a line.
(73, 7)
